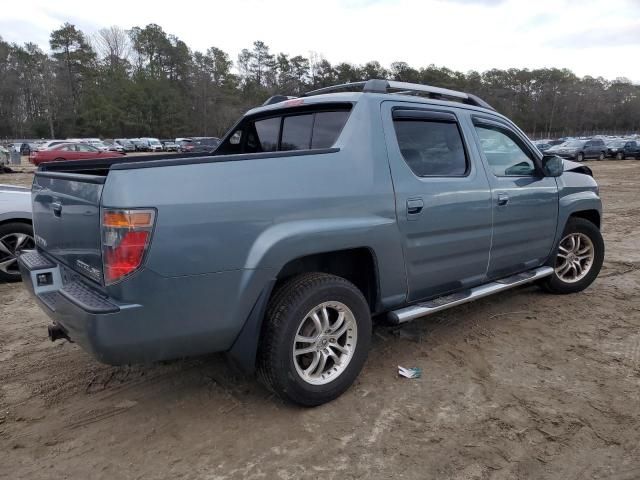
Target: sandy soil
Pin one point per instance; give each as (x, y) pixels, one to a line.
(520, 386)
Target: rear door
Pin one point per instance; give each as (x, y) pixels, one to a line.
(443, 200)
(524, 202)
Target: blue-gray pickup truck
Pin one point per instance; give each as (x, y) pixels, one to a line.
(314, 214)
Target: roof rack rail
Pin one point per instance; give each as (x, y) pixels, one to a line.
(394, 87)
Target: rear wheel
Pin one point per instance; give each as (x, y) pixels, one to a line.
(601, 156)
(14, 237)
(315, 339)
(580, 157)
(578, 259)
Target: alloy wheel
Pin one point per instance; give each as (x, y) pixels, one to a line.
(575, 257)
(10, 247)
(325, 343)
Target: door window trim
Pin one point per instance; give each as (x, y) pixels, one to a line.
(434, 116)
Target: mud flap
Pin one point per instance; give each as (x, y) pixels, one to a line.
(243, 352)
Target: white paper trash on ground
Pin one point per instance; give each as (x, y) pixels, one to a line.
(415, 372)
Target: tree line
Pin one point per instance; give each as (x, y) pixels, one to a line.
(146, 82)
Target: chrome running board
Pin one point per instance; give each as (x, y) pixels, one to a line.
(422, 309)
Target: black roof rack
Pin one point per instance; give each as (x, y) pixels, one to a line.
(404, 88)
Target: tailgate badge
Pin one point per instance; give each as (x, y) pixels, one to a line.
(93, 272)
(40, 241)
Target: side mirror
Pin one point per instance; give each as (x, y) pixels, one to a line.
(552, 166)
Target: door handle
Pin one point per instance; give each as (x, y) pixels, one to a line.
(503, 199)
(414, 206)
(57, 208)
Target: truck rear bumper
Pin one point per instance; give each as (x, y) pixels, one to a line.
(178, 317)
(99, 325)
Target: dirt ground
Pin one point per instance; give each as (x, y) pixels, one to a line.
(524, 385)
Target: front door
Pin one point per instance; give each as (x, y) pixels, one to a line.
(525, 203)
(443, 199)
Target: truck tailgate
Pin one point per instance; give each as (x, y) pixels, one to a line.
(66, 218)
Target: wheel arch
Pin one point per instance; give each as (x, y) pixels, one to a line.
(591, 215)
(7, 220)
(358, 265)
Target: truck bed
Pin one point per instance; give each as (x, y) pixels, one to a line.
(101, 167)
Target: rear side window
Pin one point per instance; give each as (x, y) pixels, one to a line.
(296, 132)
(431, 148)
(287, 132)
(327, 127)
(266, 138)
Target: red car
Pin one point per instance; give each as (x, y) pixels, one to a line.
(70, 151)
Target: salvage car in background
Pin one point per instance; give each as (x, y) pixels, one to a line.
(621, 149)
(170, 146)
(16, 231)
(70, 151)
(126, 144)
(580, 150)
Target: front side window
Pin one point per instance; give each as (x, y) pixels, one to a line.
(431, 148)
(504, 152)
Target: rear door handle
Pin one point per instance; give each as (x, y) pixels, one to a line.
(503, 199)
(414, 206)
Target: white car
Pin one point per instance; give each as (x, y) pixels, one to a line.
(16, 232)
(153, 144)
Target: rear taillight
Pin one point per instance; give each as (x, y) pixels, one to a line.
(126, 235)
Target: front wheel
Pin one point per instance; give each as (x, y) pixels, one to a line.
(315, 339)
(601, 156)
(620, 156)
(578, 259)
(580, 157)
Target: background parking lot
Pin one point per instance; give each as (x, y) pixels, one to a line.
(521, 385)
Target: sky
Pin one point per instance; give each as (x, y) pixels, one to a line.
(590, 37)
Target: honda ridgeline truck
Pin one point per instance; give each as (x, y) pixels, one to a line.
(313, 215)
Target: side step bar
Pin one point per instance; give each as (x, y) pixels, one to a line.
(418, 310)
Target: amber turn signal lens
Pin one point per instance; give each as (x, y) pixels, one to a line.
(127, 219)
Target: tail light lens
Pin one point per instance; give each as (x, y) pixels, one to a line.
(126, 235)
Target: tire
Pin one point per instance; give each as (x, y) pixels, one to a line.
(560, 282)
(289, 317)
(601, 156)
(14, 236)
(619, 156)
(580, 157)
